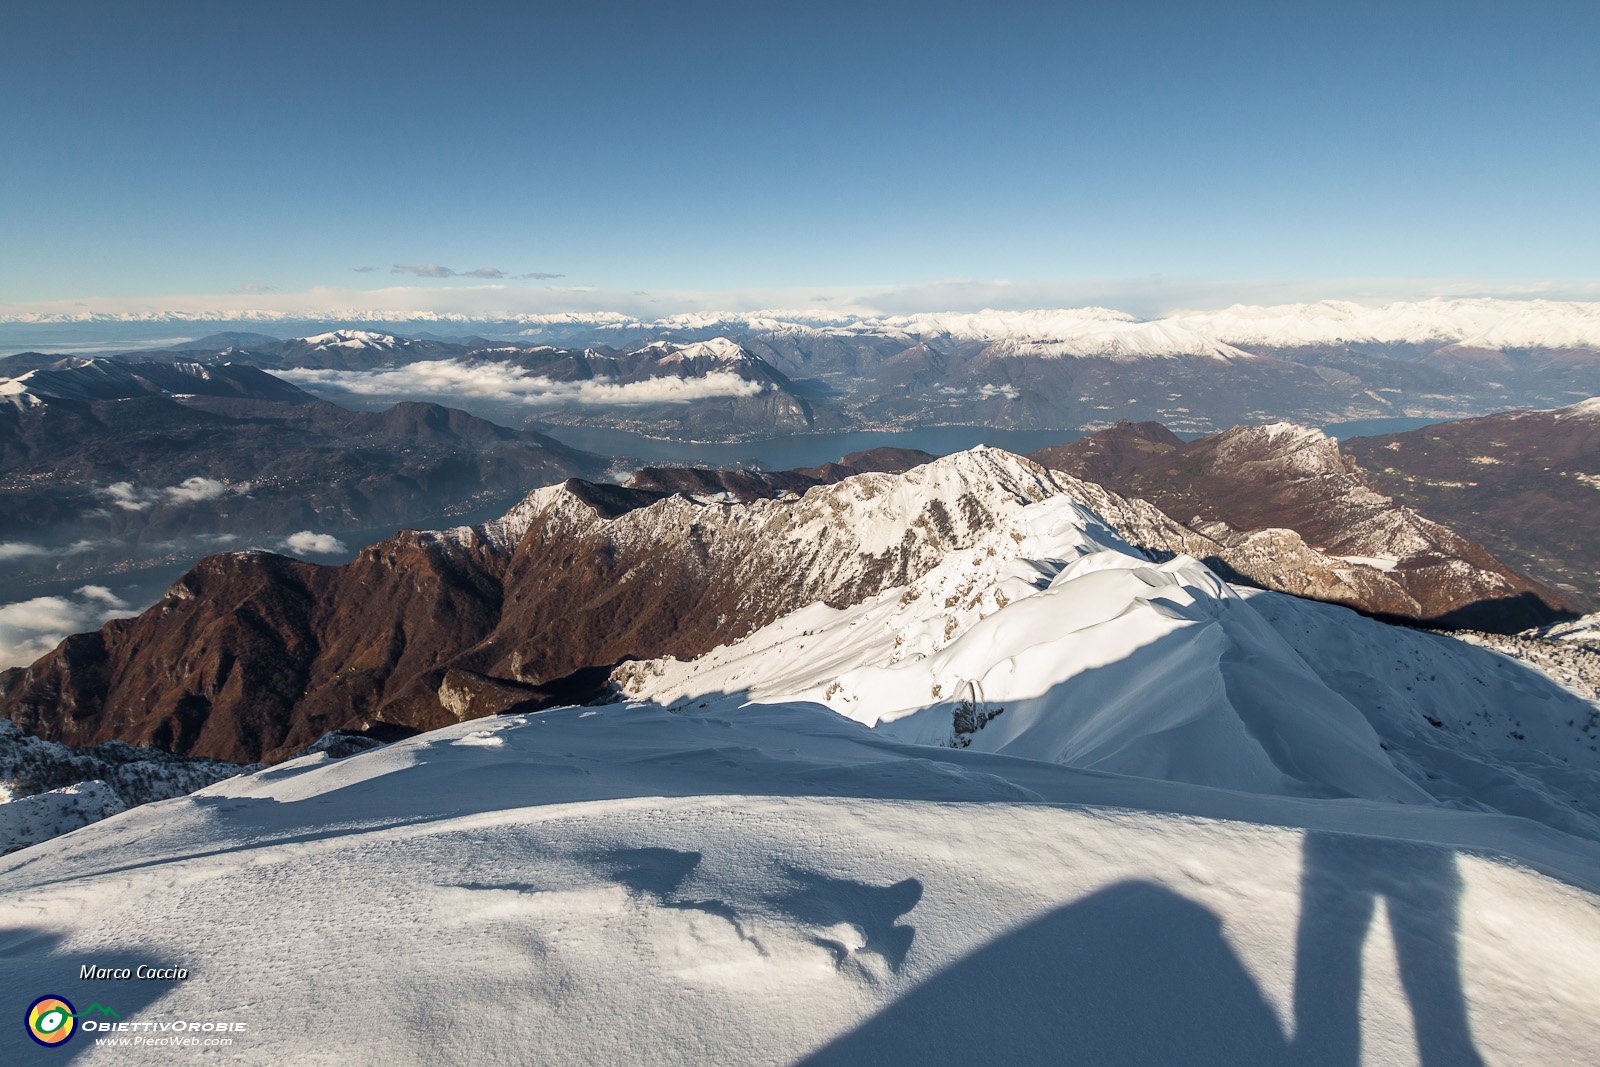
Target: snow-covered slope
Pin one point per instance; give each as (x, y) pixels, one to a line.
(1046, 800)
(48, 789)
(350, 339)
(1054, 640)
(631, 885)
(1473, 323)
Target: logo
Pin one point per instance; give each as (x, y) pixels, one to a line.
(51, 1020)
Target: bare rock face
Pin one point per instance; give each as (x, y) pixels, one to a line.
(1524, 483)
(254, 655)
(1289, 511)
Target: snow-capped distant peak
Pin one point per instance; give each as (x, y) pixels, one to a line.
(1583, 409)
(717, 349)
(1082, 332)
(351, 339)
(15, 392)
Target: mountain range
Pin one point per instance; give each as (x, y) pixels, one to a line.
(755, 374)
(253, 655)
(112, 462)
(964, 760)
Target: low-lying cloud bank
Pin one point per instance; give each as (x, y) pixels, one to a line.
(196, 490)
(503, 381)
(30, 628)
(10, 551)
(496, 300)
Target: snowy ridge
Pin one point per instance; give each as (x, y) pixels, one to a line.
(1053, 640)
(835, 537)
(1583, 409)
(716, 350)
(351, 339)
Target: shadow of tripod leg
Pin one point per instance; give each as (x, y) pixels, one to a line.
(1424, 917)
(1334, 918)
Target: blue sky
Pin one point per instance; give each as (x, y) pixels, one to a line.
(215, 148)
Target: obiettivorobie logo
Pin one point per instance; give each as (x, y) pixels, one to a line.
(52, 1020)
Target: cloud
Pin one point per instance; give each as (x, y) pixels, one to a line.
(363, 270)
(423, 270)
(30, 628)
(504, 381)
(435, 270)
(256, 287)
(307, 543)
(126, 497)
(195, 490)
(13, 550)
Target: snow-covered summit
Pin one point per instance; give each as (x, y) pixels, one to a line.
(355, 339)
(714, 350)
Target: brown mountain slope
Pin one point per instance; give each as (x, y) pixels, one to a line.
(1284, 502)
(253, 655)
(1525, 483)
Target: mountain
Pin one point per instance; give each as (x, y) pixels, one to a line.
(1052, 639)
(1029, 795)
(1524, 483)
(1294, 513)
(89, 380)
(707, 389)
(750, 374)
(127, 461)
(253, 655)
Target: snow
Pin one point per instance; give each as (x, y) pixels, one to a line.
(1476, 323)
(1056, 641)
(1584, 409)
(1047, 800)
(1473, 323)
(626, 884)
(15, 392)
(715, 350)
(1382, 563)
(1061, 332)
(351, 339)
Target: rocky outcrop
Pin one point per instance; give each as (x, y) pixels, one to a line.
(1289, 511)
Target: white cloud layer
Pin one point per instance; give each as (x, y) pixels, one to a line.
(503, 381)
(1148, 296)
(30, 628)
(309, 543)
